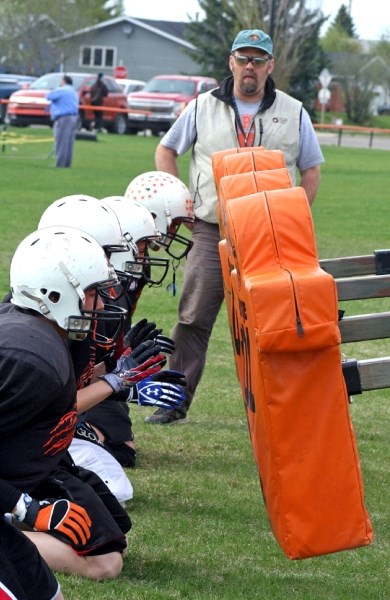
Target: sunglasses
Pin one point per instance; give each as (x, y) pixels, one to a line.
(257, 61)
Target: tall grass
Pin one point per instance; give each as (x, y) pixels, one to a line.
(200, 530)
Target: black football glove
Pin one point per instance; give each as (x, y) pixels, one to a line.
(170, 376)
(166, 343)
(142, 331)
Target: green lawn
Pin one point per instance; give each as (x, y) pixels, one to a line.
(200, 530)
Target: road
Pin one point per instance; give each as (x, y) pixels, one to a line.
(378, 141)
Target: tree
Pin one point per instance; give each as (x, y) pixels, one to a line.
(358, 86)
(304, 80)
(351, 66)
(28, 30)
(381, 50)
(344, 22)
(212, 37)
(295, 36)
(340, 36)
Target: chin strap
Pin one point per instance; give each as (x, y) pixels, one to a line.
(171, 287)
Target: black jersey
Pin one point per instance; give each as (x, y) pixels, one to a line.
(84, 359)
(37, 397)
(24, 575)
(9, 496)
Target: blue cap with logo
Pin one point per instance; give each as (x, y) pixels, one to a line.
(253, 38)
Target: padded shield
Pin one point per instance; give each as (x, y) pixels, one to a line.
(283, 316)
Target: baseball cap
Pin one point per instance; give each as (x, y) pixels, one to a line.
(253, 38)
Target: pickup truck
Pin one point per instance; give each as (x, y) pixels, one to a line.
(162, 100)
(10, 83)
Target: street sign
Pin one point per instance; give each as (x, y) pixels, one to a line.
(324, 95)
(120, 72)
(325, 78)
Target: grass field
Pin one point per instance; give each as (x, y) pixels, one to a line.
(200, 530)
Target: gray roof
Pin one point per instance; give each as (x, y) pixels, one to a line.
(174, 28)
(168, 29)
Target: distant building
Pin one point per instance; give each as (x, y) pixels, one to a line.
(144, 47)
(350, 67)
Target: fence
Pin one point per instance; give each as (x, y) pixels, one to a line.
(352, 131)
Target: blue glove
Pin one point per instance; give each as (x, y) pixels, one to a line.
(161, 394)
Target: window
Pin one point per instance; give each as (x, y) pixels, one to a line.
(97, 56)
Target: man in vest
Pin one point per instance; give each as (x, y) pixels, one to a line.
(245, 110)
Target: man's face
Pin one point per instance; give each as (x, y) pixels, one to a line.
(250, 78)
(141, 245)
(92, 301)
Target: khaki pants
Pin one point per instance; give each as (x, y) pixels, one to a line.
(200, 302)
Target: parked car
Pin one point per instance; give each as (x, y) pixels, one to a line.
(164, 97)
(384, 109)
(9, 83)
(30, 107)
(131, 85)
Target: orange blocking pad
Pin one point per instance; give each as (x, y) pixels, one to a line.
(245, 184)
(282, 310)
(242, 160)
(234, 186)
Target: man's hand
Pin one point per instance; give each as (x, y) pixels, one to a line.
(160, 391)
(133, 366)
(64, 516)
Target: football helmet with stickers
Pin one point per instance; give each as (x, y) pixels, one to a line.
(50, 273)
(139, 229)
(170, 202)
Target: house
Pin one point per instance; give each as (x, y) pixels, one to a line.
(143, 46)
(370, 73)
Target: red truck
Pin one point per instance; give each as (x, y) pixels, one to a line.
(164, 98)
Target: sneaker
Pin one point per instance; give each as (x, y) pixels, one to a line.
(167, 417)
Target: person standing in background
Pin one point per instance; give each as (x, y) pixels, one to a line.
(245, 110)
(99, 91)
(64, 110)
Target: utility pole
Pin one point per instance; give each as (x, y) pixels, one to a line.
(272, 18)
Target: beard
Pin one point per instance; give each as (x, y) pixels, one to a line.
(249, 87)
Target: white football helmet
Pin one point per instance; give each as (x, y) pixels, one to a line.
(50, 272)
(90, 215)
(137, 226)
(170, 203)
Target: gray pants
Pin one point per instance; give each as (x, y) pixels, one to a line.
(200, 302)
(64, 135)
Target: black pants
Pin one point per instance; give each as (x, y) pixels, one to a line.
(98, 119)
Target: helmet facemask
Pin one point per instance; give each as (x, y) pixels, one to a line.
(182, 245)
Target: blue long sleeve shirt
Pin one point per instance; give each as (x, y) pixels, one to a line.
(64, 101)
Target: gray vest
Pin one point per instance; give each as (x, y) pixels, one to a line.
(215, 124)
